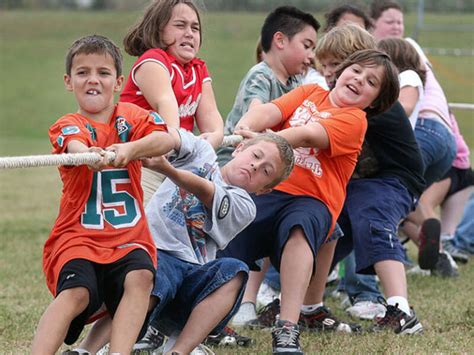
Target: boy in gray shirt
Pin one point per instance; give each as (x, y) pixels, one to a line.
(198, 210)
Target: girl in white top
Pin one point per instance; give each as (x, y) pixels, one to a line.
(412, 74)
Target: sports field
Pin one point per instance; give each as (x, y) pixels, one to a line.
(32, 96)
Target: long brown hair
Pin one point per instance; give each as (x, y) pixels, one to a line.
(404, 55)
(146, 33)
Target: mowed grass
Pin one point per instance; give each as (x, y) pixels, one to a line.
(32, 96)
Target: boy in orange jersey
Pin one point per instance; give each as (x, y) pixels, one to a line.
(100, 249)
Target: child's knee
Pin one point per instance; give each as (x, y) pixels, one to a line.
(139, 279)
(78, 297)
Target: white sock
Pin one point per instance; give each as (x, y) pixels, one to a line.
(310, 308)
(400, 302)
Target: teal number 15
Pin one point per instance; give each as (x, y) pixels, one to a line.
(104, 201)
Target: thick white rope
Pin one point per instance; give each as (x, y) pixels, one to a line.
(75, 158)
(52, 160)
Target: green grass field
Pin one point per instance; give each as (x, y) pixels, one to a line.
(32, 96)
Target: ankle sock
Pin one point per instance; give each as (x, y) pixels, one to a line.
(400, 302)
(310, 308)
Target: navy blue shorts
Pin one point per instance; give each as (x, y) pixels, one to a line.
(277, 214)
(180, 286)
(369, 219)
(104, 283)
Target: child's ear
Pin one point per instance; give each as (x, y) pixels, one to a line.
(263, 191)
(67, 82)
(238, 149)
(118, 83)
(279, 39)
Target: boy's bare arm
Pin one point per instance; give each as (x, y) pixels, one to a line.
(311, 135)
(75, 146)
(208, 118)
(260, 117)
(203, 189)
(155, 144)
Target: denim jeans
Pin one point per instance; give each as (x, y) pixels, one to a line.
(464, 235)
(437, 147)
(358, 287)
(180, 286)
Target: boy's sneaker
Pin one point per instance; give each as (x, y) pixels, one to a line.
(455, 252)
(286, 338)
(267, 316)
(323, 320)
(398, 321)
(244, 315)
(266, 294)
(151, 342)
(428, 252)
(201, 349)
(75, 352)
(446, 266)
(227, 337)
(366, 310)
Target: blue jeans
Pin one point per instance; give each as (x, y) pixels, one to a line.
(437, 147)
(180, 286)
(358, 287)
(464, 235)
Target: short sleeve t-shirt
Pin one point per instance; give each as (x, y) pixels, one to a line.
(101, 216)
(411, 78)
(259, 83)
(322, 174)
(186, 81)
(179, 221)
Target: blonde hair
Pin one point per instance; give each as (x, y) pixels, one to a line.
(341, 42)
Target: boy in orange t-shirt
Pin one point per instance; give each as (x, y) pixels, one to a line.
(100, 249)
(327, 129)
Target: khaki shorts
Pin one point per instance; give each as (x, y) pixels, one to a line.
(151, 180)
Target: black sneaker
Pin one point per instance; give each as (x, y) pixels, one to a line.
(445, 267)
(267, 316)
(227, 337)
(428, 252)
(398, 321)
(286, 338)
(151, 341)
(323, 320)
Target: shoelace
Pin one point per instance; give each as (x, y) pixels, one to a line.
(392, 314)
(286, 336)
(152, 335)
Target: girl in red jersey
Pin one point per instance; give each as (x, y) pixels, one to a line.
(168, 77)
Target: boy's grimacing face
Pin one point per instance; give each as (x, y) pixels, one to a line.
(298, 52)
(328, 68)
(253, 168)
(94, 81)
(358, 86)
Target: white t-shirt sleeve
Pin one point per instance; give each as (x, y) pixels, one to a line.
(232, 211)
(411, 78)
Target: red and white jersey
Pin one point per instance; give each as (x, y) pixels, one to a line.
(186, 82)
(101, 216)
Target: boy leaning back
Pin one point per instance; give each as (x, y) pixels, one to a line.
(100, 249)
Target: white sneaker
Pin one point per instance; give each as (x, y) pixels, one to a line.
(245, 314)
(202, 349)
(417, 270)
(366, 310)
(266, 294)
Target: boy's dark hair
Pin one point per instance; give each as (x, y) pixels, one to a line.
(333, 16)
(379, 6)
(403, 55)
(146, 33)
(389, 87)
(288, 20)
(94, 44)
(284, 148)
